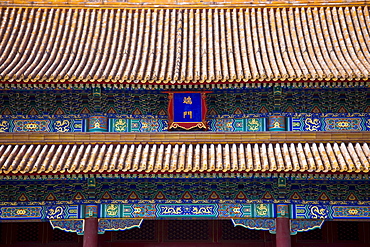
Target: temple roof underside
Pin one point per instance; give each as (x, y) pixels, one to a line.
(184, 45)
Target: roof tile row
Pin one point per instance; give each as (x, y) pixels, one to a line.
(184, 45)
(315, 158)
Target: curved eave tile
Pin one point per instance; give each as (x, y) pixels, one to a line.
(174, 158)
(181, 46)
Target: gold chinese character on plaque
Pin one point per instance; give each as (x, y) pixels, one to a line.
(187, 100)
(188, 113)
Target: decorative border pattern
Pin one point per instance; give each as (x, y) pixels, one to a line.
(91, 211)
(137, 125)
(333, 122)
(329, 212)
(223, 123)
(60, 125)
(117, 224)
(179, 210)
(150, 210)
(41, 212)
(114, 217)
(304, 225)
(270, 225)
(256, 224)
(282, 210)
(20, 213)
(76, 226)
(187, 210)
(31, 125)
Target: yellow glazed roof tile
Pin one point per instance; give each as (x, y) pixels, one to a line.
(184, 158)
(189, 45)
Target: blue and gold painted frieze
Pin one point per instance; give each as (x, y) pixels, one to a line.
(74, 225)
(334, 212)
(304, 225)
(291, 122)
(184, 210)
(237, 124)
(187, 210)
(132, 210)
(77, 225)
(88, 124)
(330, 122)
(224, 123)
(116, 210)
(137, 125)
(60, 125)
(98, 124)
(256, 224)
(20, 213)
(117, 224)
(40, 212)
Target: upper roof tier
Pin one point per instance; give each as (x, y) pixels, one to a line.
(188, 45)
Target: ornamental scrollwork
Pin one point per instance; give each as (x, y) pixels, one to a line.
(256, 224)
(312, 124)
(304, 225)
(75, 225)
(62, 125)
(262, 210)
(112, 210)
(120, 125)
(253, 124)
(117, 224)
(55, 213)
(318, 212)
(4, 126)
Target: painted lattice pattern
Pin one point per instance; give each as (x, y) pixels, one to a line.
(28, 232)
(63, 236)
(232, 233)
(348, 231)
(312, 235)
(191, 230)
(146, 232)
(2, 233)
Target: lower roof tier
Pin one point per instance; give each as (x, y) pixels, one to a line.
(193, 157)
(184, 46)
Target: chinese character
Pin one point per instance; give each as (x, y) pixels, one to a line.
(187, 100)
(188, 113)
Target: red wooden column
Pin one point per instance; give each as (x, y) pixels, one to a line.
(283, 232)
(91, 226)
(283, 226)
